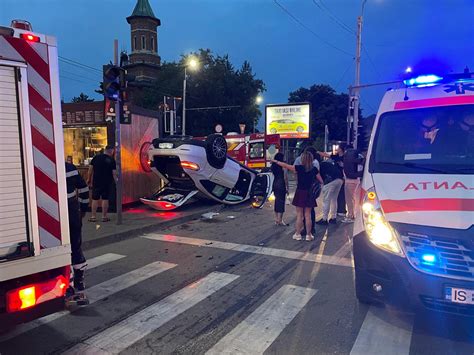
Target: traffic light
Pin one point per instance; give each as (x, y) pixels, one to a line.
(112, 78)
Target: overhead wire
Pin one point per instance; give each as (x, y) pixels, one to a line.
(302, 24)
(78, 64)
(372, 62)
(331, 15)
(344, 74)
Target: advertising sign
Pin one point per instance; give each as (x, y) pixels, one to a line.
(288, 120)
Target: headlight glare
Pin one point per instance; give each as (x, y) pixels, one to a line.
(379, 231)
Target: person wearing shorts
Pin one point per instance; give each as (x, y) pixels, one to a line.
(102, 174)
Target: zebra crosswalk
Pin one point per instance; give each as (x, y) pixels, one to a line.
(261, 323)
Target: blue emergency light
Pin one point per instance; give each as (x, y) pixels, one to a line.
(429, 258)
(423, 80)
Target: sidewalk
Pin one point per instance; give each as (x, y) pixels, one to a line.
(139, 220)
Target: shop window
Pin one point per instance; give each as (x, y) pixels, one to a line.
(83, 143)
(143, 42)
(256, 151)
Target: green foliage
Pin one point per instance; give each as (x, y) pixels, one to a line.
(82, 98)
(328, 108)
(215, 83)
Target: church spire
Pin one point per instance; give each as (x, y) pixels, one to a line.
(143, 9)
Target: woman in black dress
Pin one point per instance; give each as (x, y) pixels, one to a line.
(280, 189)
(303, 200)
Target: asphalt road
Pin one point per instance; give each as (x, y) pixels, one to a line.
(235, 284)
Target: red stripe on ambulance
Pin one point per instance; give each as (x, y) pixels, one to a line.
(428, 204)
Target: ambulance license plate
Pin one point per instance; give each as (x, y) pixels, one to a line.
(459, 295)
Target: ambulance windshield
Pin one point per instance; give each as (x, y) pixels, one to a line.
(426, 140)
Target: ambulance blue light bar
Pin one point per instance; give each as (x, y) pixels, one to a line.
(423, 80)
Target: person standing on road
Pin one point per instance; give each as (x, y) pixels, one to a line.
(303, 200)
(102, 174)
(333, 180)
(338, 159)
(280, 189)
(352, 181)
(77, 203)
(313, 151)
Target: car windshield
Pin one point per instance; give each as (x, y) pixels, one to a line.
(428, 140)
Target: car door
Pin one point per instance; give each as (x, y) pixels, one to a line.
(261, 189)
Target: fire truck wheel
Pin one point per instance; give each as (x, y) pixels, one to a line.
(216, 148)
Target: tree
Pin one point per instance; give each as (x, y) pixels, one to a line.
(217, 83)
(82, 98)
(327, 108)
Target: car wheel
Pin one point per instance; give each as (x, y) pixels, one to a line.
(273, 131)
(299, 129)
(216, 148)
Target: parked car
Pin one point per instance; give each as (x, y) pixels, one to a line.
(287, 125)
(193, 168)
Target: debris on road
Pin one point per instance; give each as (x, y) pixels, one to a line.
(209, 215)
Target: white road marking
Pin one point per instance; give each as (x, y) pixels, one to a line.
(384, 333)
(282, 253)
(124, 334)
(98, 292)
(260, 329)
(343, 251)
(103, 259)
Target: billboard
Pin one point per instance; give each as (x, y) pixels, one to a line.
(288, 120)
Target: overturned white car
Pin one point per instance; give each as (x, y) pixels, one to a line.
(193, 168)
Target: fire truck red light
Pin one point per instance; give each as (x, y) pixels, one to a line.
(30, 37)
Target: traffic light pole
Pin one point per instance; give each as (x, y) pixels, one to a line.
(118, 146)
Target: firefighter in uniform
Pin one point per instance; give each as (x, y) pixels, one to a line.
(78, 202)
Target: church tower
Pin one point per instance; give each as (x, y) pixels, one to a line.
(144, 61)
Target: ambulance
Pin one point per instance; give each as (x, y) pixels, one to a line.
(34, 236)
(413, 239)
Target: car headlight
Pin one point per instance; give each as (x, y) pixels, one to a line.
(165, 145)
(379, 231)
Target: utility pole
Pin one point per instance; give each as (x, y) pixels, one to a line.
(357, 75)
(183, 131)
(118, 153)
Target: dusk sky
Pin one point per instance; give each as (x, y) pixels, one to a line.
(283, 53)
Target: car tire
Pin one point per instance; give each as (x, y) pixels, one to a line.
(216, 149)
(273, 131)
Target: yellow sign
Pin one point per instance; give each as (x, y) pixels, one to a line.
(288, 120)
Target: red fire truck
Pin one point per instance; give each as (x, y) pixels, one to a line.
(34, 234)
(253, 150)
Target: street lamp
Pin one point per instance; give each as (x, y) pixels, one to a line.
(258, 101)
(193, 64)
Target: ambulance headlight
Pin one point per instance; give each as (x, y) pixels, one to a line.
(379, 231)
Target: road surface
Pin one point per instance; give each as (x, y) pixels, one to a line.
(236, 284)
